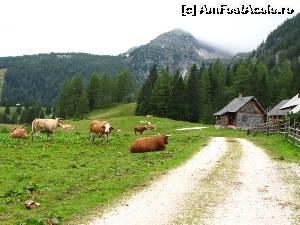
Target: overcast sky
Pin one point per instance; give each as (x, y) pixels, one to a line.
(113, 26)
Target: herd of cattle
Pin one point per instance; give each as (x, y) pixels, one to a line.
(99, 129)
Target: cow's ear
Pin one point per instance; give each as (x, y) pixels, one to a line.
(112, 128)
(103, 127)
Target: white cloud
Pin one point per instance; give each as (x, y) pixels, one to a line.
(112, 26)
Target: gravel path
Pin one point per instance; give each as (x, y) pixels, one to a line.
(192, 128)
(157, 204)
(258, 195)
(261, 198)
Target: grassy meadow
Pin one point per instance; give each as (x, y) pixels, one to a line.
(72, 178)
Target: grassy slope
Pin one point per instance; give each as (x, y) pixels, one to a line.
(70, 177)
(117, 111)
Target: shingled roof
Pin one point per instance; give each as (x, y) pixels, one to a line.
(236, 104)
(276, 110)
(292, 102)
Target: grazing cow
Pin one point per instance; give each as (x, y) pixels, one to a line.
(99, 128)
(139, 129)
(46, 125)
(151, 127)
(67, 127)
(18, 133)
(149, 144)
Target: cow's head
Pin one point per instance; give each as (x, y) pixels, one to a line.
(166, 136)
(107, 128)
(13, 129)
(58, 122)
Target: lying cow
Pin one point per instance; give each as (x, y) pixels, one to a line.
(149, 144)
(67, 127)
(46, 125)
(18, 133)
(99, 128)
(151, 127)
(139, 129)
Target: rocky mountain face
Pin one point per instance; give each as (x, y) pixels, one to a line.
(176, 49)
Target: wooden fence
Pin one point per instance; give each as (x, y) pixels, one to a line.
(291, 130)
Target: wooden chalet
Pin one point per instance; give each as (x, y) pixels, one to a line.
(293, 104)
(240, 113)
(276, 115)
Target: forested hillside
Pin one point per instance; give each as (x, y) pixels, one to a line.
(38, 78)
(282, 43)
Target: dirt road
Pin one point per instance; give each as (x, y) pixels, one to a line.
(227, 182)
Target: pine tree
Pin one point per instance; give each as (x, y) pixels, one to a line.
(178, 100)
(160, 98)
(193, 95)
(144, 97)
(62, 108)
(206, 113)
(124, 87)
(76, 91)
(93, 91)
(82, 106)
(105, 93)
(241, 80)
(218, 90)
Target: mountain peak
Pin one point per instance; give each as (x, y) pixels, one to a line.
(177, 49)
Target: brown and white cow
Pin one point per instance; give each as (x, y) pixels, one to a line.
(100, 128)
(46, 125)
(139, 129)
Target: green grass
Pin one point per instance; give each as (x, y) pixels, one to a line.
(277, 146)
(71, 177)
(118, 111)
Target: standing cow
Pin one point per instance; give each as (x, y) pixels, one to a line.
(46, 125)
(99, 128)
(139, 129)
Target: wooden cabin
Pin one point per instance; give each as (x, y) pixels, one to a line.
(276, 115)
(240, 113)
(293, 104)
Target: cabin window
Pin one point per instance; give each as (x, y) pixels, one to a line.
(244, 119)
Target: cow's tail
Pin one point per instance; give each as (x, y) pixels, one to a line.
(32, 128)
